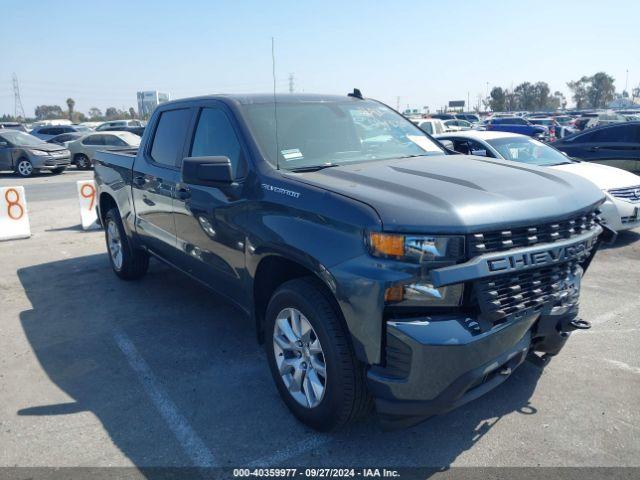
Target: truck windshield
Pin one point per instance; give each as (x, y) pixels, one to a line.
(323, 133)
(527, 150)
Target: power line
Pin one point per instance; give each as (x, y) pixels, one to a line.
(17, 101)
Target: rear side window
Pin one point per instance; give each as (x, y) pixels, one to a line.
(215, 137)
(94, 140)
(427, 127)
(169, 136)
(113, 141)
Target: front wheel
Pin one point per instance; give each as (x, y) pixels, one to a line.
(24, 168)
(127, 262)
(311, 358)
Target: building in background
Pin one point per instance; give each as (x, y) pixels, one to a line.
(148, 101)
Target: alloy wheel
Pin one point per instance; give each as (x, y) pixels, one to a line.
(114, 242)
(299, 357)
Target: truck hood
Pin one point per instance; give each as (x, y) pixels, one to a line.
(457, 194)
(603, 176)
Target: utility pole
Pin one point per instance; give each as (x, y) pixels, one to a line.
(626, 83)
(291, 83)
(17, 101)
(397, 104)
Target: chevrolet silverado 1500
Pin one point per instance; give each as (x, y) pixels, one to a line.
(377, 271)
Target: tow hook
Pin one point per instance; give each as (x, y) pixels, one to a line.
(580, 324)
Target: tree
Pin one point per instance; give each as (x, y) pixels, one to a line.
(112, 113)
(525, 94)
(132, 112)
(579, 89)
(70, 104)
(497, 99)
(542, 94)
(601, 90)
(511, 101)
(559, 100)
(95, 112)
(46, 112)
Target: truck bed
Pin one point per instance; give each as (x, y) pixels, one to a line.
(118, 158)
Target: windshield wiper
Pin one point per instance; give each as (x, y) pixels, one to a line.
(314, 168)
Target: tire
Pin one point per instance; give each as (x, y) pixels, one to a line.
(82, 162)
(24, 168)
(58, 171)
(344, 396)
(127, 263)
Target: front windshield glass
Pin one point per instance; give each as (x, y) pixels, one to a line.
(528, 150)
(20, 139)
(321, 133)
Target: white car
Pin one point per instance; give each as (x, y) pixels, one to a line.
(119, 123)
(457, 125)
(621, 210)
(432, 126)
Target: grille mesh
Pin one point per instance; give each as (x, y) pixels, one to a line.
(502, 240)
(631, 194)
(504, 296)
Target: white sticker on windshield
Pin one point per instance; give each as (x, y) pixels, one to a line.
(292, 154)
(424, 143)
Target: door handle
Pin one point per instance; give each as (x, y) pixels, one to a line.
(183, 193)
(139, 181)
(594, 149)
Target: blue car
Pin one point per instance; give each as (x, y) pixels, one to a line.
(518, 125)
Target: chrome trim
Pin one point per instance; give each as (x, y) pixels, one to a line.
(518, 259)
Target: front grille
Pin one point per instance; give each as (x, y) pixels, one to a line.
(505, 296)
(501, 240)
(630, 194)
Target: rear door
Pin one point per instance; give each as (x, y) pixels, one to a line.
(209, 219)
(155, 175)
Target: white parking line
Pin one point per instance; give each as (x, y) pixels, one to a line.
(189, 440)
(285, 454)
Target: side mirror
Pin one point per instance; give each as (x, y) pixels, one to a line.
(207, 171)
(480, 153)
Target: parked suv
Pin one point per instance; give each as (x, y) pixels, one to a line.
(372, 265)
(47, 132)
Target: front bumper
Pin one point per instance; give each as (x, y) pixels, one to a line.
(436, 364)
(620, 214)
(51, 162)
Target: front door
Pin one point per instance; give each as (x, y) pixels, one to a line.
(209, 218)
(155, 176)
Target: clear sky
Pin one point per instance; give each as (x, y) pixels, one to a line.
(426, 52)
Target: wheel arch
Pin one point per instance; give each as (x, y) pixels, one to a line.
(272, 270)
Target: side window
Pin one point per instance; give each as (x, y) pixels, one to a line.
(477, 148)
(439, 128)
(90, 140)
(113, 141)
(169, 136)
(215, 137)
(427, 127)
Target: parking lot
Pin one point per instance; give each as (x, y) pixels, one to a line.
(95, 371)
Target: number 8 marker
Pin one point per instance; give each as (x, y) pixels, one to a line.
(15, 203)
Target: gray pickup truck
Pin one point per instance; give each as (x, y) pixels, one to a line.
(378, 269)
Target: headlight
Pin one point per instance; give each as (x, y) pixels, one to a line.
(429, 252)
(417, 249)
(40, 153)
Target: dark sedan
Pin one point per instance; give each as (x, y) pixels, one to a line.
(617, 145)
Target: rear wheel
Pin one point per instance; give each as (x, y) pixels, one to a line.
(24, 168)
(82, 162)
(311, 359)
(127, 262)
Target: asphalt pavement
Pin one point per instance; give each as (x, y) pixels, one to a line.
(95, 371)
